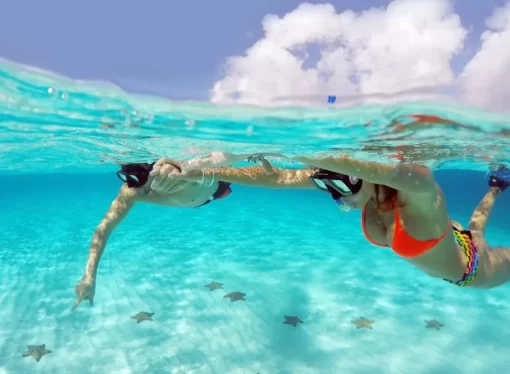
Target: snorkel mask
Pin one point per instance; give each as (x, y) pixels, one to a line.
(338, 185)
(135, 175)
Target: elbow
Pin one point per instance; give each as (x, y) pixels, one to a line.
(293, 179)
(101, 234)
(275, 181)
(273, 178)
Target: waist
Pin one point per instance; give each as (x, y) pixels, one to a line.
(444, 260)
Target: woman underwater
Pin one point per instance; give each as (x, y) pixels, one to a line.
(403, 208)
(138, 187)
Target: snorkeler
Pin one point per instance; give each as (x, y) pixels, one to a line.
(403, 208)
(139, 187)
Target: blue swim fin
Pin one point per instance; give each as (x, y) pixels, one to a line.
(500, 178)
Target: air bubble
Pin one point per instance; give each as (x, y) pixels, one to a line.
(190, 124)
(127, 120)
(150, 119)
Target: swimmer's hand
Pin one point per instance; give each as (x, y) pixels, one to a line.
(85, 290)
(161, 172)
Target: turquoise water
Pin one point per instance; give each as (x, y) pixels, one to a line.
(290, 252)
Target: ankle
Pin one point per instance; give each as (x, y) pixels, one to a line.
(495, 191)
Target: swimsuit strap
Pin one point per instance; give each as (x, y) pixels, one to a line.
(221, 192)
(465, 240)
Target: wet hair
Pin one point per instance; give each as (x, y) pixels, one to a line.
(385, 198)
(141, 170)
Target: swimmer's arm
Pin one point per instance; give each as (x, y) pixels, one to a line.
(257, 176)
(118, 210)
(406, 177)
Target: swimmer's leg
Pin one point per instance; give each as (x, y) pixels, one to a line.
(499, 181)
(483, 211)
(494, 263)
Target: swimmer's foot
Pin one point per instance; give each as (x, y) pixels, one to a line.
(500, 178)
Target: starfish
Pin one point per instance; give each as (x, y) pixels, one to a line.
(214, 286)
(363, 323)
(36, 351)
(235, 296)
(292, 320)
(433, 324)
(143, 316)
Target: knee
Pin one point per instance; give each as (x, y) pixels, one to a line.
(478, 221)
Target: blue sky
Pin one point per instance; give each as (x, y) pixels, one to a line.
(169, 48)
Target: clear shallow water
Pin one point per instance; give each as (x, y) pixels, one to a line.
(291, 252)
(289, 258)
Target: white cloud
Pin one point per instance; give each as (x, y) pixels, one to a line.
(404, 48)
(485, 81)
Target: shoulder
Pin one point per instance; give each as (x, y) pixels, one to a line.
(130, 195)
(412, 180)
(121, 205)
(427, 200)
(418, 172)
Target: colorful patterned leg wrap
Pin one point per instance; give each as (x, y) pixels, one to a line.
(465, 240)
